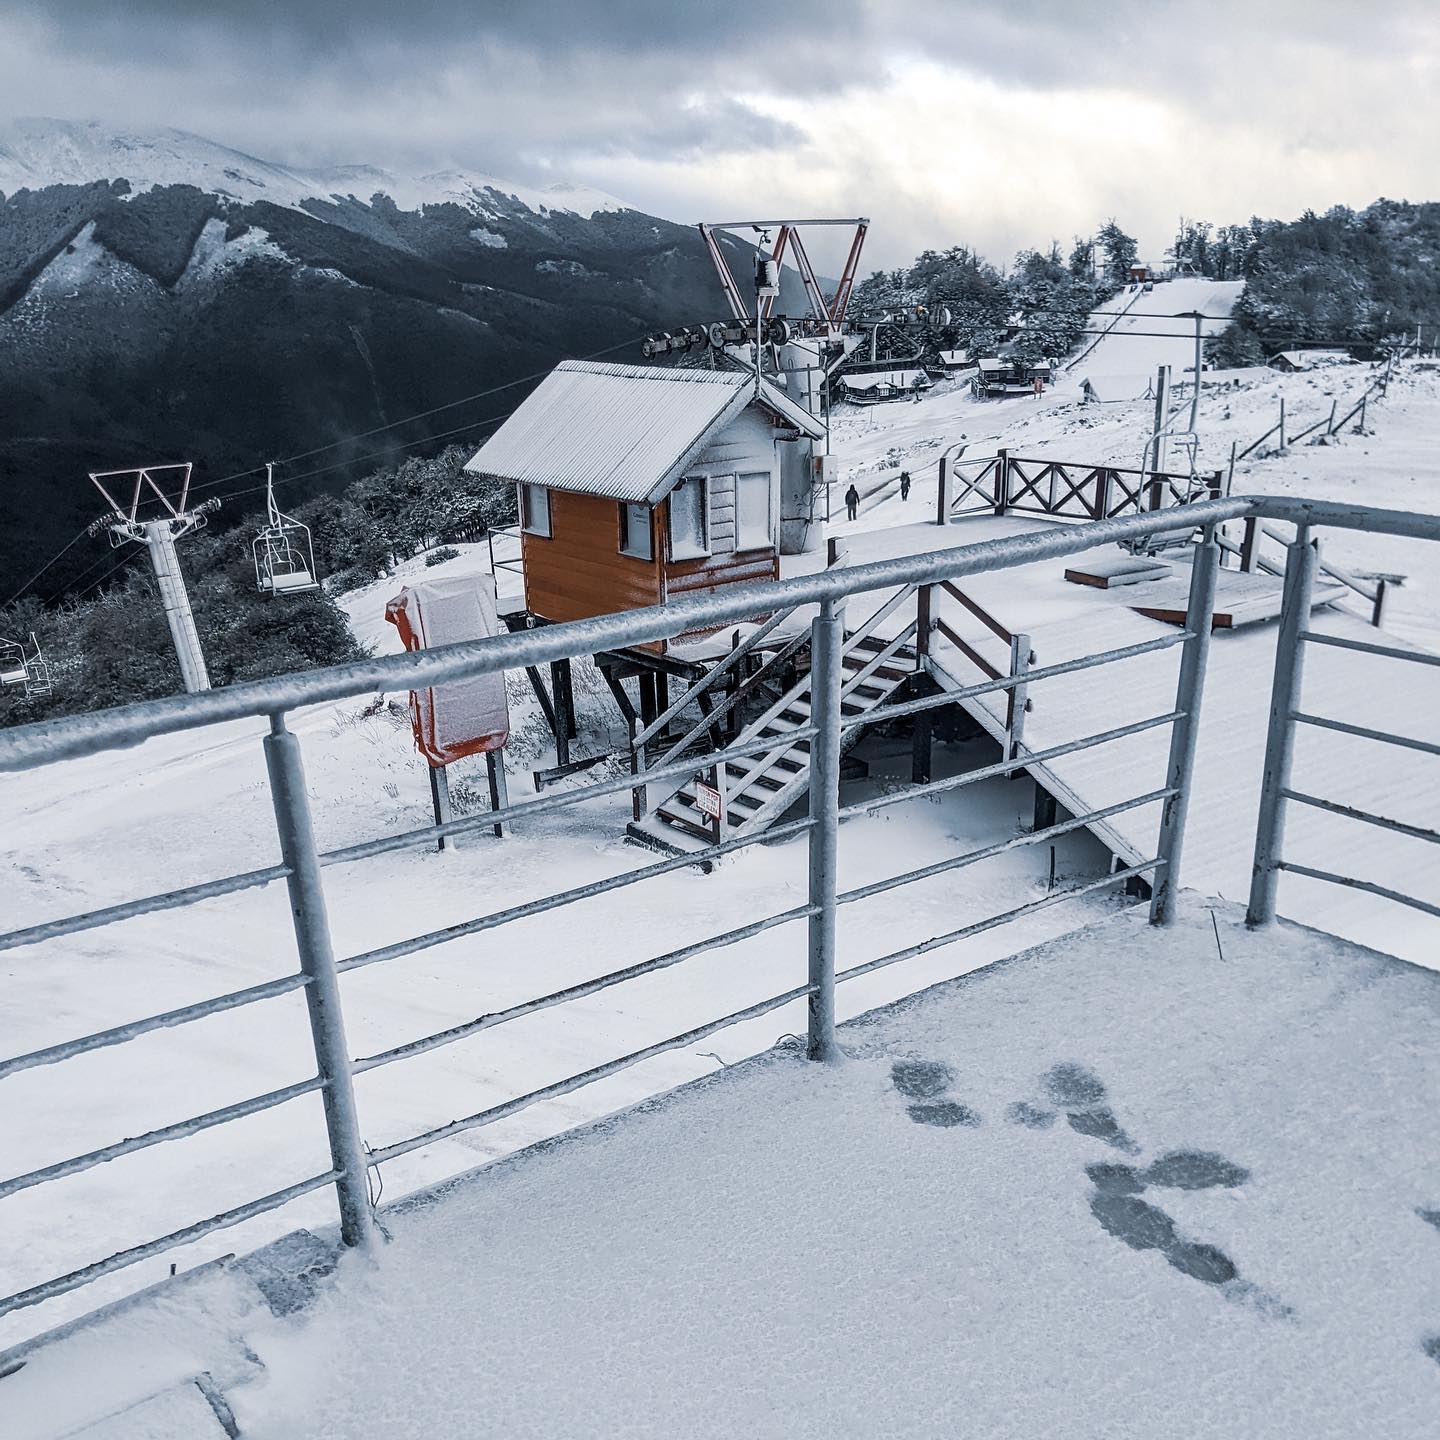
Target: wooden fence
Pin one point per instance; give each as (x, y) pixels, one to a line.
(1006, 484)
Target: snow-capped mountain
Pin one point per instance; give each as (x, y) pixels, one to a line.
(165, 295)
(35, 153)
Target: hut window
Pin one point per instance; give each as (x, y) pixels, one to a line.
(635, 532)
(535, 510)
(689, 532)
(754, 526)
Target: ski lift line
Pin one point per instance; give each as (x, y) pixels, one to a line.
(255, 489)
(373, 455)
(407, 419)
(59, 555)
(320, 449)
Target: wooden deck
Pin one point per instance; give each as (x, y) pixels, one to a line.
(1066, 620)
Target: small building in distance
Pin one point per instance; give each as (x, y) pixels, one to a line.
(1289, 361)
(957, 360)
(1007, 375)
(873, 387)
(1140, 273)
(638, 484)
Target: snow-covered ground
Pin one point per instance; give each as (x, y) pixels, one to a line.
(189, 807)
(1095, 1190)
(1228, 1238)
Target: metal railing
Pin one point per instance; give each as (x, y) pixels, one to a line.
(302, 863)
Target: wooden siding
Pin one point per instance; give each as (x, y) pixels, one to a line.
(708, 573)
(579, 571)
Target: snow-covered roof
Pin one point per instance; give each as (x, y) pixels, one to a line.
(991, 363)
(1303, 359)
(900, 379)
(625, 432)
(955, 357)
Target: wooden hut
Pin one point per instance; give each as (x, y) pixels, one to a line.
(638, 484)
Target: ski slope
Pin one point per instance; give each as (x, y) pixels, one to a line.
(1156, 329)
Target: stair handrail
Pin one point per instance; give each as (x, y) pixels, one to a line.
(977, 610)
(1254, 530)
(764, 762)
(706, 681)
(728, 702)
(863, 633)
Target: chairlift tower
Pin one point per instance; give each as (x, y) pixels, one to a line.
(159, 535)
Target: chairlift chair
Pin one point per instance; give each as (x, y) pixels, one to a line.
(284, 553)
(31, 671)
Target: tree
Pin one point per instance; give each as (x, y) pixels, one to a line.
(1120, 251)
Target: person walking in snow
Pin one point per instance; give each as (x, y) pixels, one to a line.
(852, 503)
(904, 484)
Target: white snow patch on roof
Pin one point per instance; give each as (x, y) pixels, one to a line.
(625, 432)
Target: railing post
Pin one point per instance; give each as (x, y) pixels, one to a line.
(1184, 731)
(322, 994)
(944, 495)
(924, 624)
(637, 769)
(440, 799)
(1300, 562)
(1250, 544)
(1002, 481)
(1377, 613)
(827, 633)
(1022, 657)
(1103, 479)
(1282, 425)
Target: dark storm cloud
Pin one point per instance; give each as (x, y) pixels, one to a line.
(1015, 121)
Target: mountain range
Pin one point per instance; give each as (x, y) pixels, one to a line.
(164, 298)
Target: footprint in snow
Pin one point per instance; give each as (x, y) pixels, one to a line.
(924, 1083)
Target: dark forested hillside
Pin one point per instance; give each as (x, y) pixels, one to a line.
(1360, 278)
(181, 324)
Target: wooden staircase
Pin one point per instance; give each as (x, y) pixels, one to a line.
(758, 789)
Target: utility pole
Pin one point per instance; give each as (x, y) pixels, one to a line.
(159, 535)
(1162, 413)
(1195, 397)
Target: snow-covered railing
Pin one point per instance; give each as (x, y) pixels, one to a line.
(1068, 489)
(302, 863)
(1333, 426)
(1248, 552)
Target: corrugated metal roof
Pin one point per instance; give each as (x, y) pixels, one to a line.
(625, 432)
(900, 379)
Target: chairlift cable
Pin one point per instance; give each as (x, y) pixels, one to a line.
(320, 449)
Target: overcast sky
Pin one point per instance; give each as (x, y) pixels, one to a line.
(988, 122)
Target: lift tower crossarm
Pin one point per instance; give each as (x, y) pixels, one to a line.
(830, 314)
(722, 269)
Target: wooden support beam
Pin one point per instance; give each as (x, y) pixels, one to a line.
(538, 686)
(1046, 809)
(559, 687)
